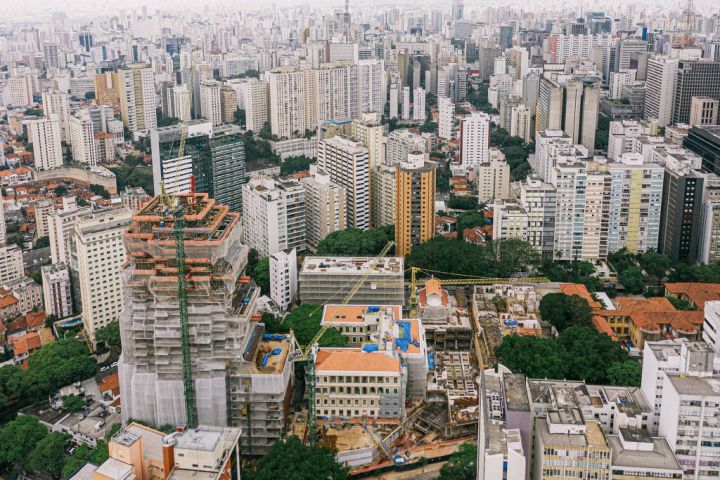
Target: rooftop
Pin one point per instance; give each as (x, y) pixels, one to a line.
(660, 457)
(355, 360)
(695, 386)
(353, 265)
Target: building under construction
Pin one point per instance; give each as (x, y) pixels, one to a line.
(193, 350)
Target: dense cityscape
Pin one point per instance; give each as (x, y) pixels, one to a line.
(457, 240)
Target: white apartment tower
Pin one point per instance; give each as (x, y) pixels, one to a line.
(82, 139)
(346, 162)
(255, 98)
(11, 263)
(493, 179)
(58, 103)
(57, 290)
(446, 111)
(660, 89)
(273, 215)
(283, 277)
(181, 96)
(45, 135)
(325, 208)
(406, 103)
(371, 86)
(210, 101)
(419, 105)
(475, 140)
(99, 254)
(137, 97)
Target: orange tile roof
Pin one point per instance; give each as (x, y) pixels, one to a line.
(354, 360)
(27, 343)
(581, 291)
(352, 313)
(432, 286)
(698, 293)
(652, 304)
(35, 319)
(8, 301)
(602, 326)
(111, 383)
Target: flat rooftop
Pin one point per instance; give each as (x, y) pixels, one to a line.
(355, 360)
(197, 439)
(114, 469)
(698, 386)
(353, 437)
(274, 352)
(353, 265)
(357, 313)
(660, 457)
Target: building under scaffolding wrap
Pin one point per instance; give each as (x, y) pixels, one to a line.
(240, 376)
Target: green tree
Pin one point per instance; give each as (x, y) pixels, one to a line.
(292, 460)
(239, 116)
(627, 373)
(73, 403)
(62, 362)
(305, 323)
(273, 324)
(655, 264)
(295, 164)
(513, 256)
(470, 219)
(75, 462)
(353, 241)
(589, 354)
(632, 279)
(453, 256)
(109, 335)
(100, 454)
(48, 456)
(42, 242)
(60, 191)
(536, 357)
(462, 203)
(266, 132)
(462, 464)
(99, 190)
(563, 311)
(261, 274)
(19, 438)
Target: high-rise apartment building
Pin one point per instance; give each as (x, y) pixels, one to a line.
(405, 111)
(210, 105)
(446, 111)
(107, 91)
(371, 86)
(493, 177)
(99, 254)
(383, 195)
(225, 349)
(58, 103)
(414, 202)
(538, 198)
(20, 89)
(181, 103)
(256, 99)
(11, 263)
(283, 278)
(660, 89)
(325, 208)
(475, 138)
(45, 135)
(228, 103)
(346, 162)
(137, 97)
(82, 139)
(57, 291)
(419, 105)
(273, 215)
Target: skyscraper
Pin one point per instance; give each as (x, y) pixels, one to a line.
(695, 78)
(82, 138)
(414, 202)
(475, 137)
(210, 106)
(458, 7)
(660, 90)
(45, 135)
(446, 111)
(58, 103)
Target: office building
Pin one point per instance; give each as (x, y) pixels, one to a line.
(46, 136)
(225, 346)
(695, 78)
(99, 254)
(493, 178)
(475, 136)
(283, 278)
(414, 202)
(705, 141)
(137, 98)
(346, 162)
(329, 279)
(325, 208)
(57, 291)
(214, 156)
(210, 105)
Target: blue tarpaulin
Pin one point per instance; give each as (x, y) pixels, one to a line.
(404, 339)
(431, 360)
(370, 348)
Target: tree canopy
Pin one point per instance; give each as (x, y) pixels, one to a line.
(462, 464)
(563, 311)
(291, 460)
(462, 202)
(110, 334)
(48, 456)
(296, 164)
(19, 438)
(352, 241)
(578, 353)
(305, 323)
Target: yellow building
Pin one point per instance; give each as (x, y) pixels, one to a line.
(414, 203)
(107, 90)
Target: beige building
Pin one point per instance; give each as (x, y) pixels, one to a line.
(137, 97)
(704, 111)
(256, 104)
(11, 263)
(21, 89)
(493, 180)
(82, 139)
(57, 292)
(510, 220)
(325, 208)
(210, 105)
(414, 202)
(228, 103)
(382, 196)
(99, 253)
(58, 103)
(43, 209)
(46, 136)
(107, 91)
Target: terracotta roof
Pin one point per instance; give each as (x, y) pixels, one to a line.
(111, 383)
(8, 301)
(581, 291)
(351, 313)
(602, 326)
(27, 343)
(35, 319)
(697, 293)
(354, 360)
(432, 286)
(652, 304)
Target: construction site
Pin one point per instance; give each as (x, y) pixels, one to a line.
(194, 351)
